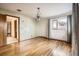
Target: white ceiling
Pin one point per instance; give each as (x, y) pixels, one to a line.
(46, 9)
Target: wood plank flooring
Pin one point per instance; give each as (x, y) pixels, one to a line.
(11, 40)
(37, 47)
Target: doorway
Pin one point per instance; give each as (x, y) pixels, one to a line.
(12, 29)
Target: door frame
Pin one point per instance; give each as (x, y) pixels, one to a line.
(18, 25)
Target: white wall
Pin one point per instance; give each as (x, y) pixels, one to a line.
(42, 28)
(61, 32)
(27, 25)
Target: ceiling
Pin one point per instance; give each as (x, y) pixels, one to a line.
(46, 9)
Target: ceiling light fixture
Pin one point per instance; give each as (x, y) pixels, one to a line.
(38, 14)
(19, 10)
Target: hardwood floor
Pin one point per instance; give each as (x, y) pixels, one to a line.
(11, 40)
(37, 47)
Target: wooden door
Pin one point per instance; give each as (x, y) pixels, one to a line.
(3, 30)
